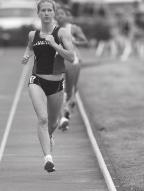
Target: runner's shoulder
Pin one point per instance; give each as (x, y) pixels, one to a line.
(62, 32)
(76, 28)
(31, 34)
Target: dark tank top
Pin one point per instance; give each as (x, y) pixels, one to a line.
(46, 59)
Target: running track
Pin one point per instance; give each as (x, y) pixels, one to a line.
(21, 168)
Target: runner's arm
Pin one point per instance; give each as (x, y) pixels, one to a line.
(79, 36)
(28, 51)
(65, 49)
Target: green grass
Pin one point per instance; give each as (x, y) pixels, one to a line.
(114, 93)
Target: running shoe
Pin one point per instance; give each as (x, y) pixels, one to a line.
(67, 114)
(49, 165)
(64, 124)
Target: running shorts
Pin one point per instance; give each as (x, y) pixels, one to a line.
(49, 87)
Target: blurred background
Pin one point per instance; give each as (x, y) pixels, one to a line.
(113, 92)
(111, 26)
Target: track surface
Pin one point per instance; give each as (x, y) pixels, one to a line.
(22, 165)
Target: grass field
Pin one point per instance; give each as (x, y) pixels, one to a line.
(114, 97)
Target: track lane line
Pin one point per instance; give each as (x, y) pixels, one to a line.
(13, 109)
(103, 167)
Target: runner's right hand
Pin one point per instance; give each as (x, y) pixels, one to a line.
(25, 59)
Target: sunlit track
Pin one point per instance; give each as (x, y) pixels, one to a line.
(20, 169)
(13, 109)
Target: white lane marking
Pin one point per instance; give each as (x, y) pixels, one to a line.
(103, 167)
(13, 109)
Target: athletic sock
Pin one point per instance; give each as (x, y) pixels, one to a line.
(48, 158)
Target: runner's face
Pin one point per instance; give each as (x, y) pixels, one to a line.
(70, 17)
(46, 12)
(61, 16)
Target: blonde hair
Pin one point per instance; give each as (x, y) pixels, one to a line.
(48, 1)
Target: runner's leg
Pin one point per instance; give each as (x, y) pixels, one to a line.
(39, 102)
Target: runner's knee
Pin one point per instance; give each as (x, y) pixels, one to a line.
(42, 121)
(52, 127)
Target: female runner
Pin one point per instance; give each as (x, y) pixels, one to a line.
(50, 46)
(64, 19)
